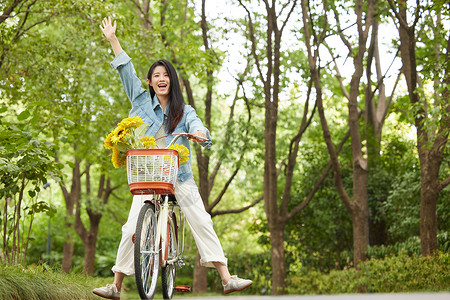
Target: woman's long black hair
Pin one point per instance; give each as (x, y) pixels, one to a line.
(176, 100)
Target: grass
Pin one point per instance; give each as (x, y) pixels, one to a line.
(399, 274)
(45, 283)
(42, 282)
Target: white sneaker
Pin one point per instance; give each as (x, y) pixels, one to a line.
(236, 284)
(109, 291)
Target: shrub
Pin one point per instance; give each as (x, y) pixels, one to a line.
(410, 246)
(400, 273)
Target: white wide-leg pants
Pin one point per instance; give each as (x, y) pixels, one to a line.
(188, 197)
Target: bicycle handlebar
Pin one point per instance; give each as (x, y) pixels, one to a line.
(188, 135)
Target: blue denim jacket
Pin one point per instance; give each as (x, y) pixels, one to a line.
(150, 110)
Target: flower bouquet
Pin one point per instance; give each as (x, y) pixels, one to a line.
(130, 134)
(149, 170)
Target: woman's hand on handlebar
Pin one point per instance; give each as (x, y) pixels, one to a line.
(198, 137)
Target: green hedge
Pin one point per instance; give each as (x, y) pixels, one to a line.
(394, 274)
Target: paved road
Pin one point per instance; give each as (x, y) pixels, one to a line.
(412, 296)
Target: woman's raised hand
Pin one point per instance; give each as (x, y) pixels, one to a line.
(108, 29)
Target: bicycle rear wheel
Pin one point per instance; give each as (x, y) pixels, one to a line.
(169, 271)
(146, 257)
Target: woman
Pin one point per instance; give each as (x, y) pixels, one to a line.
(165, 112)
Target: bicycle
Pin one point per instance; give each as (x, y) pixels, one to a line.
(157, 240)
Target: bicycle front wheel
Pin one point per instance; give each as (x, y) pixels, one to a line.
(146, 256)
(169, 271)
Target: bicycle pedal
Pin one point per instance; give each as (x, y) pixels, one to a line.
(182, 288)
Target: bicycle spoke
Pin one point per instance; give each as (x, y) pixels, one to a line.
(145, 255)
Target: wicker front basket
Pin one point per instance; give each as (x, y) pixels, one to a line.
(152, 171)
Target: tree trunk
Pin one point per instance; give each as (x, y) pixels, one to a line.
(429, 194)
(67, 252)
(89, 237)
(375, 114)
(69, 220)
(68, 241)
(430, 153)
(200, 283)
(360, 225)
(89, 252)
(360, 211)
(70, 200)
(278, 260)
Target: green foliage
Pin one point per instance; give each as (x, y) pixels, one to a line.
(396, 274)
(411, 246)
(26, 163)
(57, 90)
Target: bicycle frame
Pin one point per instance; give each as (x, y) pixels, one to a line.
(161, 236)
(164, 235)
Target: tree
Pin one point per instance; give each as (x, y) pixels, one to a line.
(358, 206)
(93, 115)
(25, 165)
(431, 114)
(77, 113)
(279, 207)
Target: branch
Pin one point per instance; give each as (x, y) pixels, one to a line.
(253, 41)
(397, 80)
(135, 8)
(417, 14)
(224, 189)
(189, 93)
(292, 156)
(399, 17)
(340, 31)
(289, 14)
(8, 10)
(443, 184)
(442, 134)
(236, 211)
(61, 183)
(240, 81)
(338, 74)
(305, 202)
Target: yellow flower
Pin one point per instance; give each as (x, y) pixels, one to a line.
(133, 122)
(118, 134)
(108, 143)
(148, 142)
(183, 152)
(118, 159)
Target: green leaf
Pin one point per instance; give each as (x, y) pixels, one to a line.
(32, 193)
(35, 143)
(68, 122)
(140, 131)
(123, 147)
(23, 115)
(41, 102)
(70, 164)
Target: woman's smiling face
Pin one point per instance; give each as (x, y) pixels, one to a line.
(160, 81)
